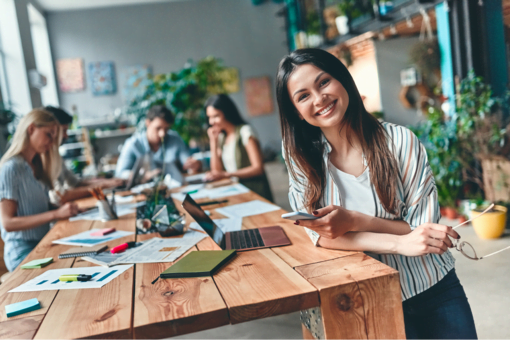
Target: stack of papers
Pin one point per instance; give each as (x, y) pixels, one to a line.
(36, 264)
(251, 208)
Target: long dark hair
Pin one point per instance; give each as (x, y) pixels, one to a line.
(303, 142)
(223, 103)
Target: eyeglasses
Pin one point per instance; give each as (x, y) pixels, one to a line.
(466, 248)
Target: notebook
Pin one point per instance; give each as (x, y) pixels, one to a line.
(199, 263)
(22, 307)
(82, 251)
(39, 263)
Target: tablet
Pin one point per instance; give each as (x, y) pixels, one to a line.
(297, 215)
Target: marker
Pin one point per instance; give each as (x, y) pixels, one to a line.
(75, 277)
(191, 192)
(123, 247)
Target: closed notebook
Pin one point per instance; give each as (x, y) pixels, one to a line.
(82, 251)
(199, 263)
(39, 263)
(22, 307)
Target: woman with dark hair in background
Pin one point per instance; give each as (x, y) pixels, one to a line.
(235, 149)
(371, 187)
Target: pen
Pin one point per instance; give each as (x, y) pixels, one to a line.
(212, 202)
(75, 277)
(191, 192)
(123, 247)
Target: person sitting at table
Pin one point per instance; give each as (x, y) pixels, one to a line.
(371, 188)
(28, 170)
(162, 145)
(235, 148)
(68, 187)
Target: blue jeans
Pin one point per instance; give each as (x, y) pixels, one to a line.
(15, 252)
(440, 312)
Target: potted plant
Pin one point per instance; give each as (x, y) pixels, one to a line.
(491, 224)
(6, 115)
(438, 135)
(185, 92)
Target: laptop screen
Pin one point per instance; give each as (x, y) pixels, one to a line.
(204, 221)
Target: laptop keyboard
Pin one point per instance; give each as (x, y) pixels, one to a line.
(246, 239)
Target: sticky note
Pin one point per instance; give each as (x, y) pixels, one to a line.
(39, 263)
(22, 307)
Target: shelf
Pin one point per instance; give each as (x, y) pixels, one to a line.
(115, 133)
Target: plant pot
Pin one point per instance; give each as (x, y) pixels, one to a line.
(492, 224)
(462, 219)
(342, 24)
(450, 213)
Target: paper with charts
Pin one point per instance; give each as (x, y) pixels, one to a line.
(86, 240)
(155, 250)
(49, 279)
(250, 208)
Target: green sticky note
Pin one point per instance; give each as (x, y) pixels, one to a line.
(22, 307)
(39, 263)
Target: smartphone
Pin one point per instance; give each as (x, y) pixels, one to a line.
(297, 215)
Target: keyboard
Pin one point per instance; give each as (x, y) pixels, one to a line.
(246, 239)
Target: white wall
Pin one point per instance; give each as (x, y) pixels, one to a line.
(165, 35)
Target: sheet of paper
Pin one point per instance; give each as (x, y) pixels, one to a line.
(86, 240)
(215, 193)
(251, 208)
(121, 199)
(49, 279)
(225, 224)
(154, 250)
(197, 177)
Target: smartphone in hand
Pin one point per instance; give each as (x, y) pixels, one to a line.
(297, 215)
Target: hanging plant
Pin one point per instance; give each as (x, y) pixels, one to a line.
(425, 54)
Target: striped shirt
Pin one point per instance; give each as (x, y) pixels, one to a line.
(18, 183)
(416, 204)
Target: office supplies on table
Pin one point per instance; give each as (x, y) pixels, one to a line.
(298, 215)
(49, 280)
(75, 277)
(155, 250)
(199, 264)
(102, 232)
(22, 307)
(94, 215)
(124, 246)
(241, 240)
(250, 208)
(212, 202)
(87, 240)
(36, 264)
(82, 251)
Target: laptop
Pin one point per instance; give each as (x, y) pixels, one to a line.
(240, 240)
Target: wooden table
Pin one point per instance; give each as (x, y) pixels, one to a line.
(358, 296)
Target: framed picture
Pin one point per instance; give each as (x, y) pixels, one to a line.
(134, 80)
(70, 75)
(102, 78)
(258, 96)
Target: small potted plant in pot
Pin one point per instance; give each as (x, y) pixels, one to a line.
(490, 225)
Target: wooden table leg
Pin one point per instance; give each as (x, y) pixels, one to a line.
(359, 300)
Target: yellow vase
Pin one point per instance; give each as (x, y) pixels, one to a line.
(491, 224)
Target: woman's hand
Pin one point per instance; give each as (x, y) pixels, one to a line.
(428, 238)
(192, 165)
(67, 210)
(215, 175)
(213, 132)
(112, 183)
(333, 221)
(149, 175)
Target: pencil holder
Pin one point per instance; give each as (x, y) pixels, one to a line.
(105, 211)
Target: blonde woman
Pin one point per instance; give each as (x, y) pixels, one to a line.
(28, 170)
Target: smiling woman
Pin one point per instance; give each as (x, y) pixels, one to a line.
(371, 188)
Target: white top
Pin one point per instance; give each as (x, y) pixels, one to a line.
(228, 153)
(355, 192)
